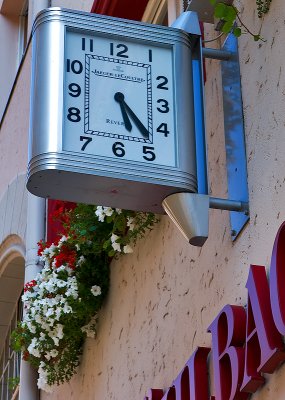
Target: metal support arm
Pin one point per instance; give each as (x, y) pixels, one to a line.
(230, 205)
(217, 54)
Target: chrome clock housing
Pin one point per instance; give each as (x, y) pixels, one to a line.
(112, 117)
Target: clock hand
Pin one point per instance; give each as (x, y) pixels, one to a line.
(140, 126)
(119, 97)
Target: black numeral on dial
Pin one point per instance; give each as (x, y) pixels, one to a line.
(73, 114)
(119, 53)
(164, 82)
(162, 128)
(164, 106)
(149, 154)
(118, 149)
(84, 47)
(87, 141)
(74, 66)
(74, 90)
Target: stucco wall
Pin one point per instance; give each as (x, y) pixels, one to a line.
(165, 295)
(9, 47)
(15, 128)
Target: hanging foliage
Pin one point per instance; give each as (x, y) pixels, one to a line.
(61, 304)
(232, 22)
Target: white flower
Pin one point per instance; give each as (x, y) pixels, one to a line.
(42, 381)
(119, 211)
(116, 246)
(130, 223)
(100, 213)
(31, 327)
(114, 238)
(61, 283)
(90, 328)
(67, 309)
(77, 247)
(32, 348)
(62, 240)
(51, 354)
(108, 211)
(51, 250)
(80, 261)
(96, 290)
(127, 249)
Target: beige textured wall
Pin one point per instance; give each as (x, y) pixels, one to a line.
(164, 295)
(14, 130)
(8, 65)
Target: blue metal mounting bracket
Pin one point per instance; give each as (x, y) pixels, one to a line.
(238, 199)
(234, 134)
(234, 129)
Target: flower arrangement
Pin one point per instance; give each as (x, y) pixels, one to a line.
(61, 304)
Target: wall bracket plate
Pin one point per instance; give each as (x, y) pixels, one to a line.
(234, 134)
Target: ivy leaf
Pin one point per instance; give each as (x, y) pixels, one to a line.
(227, 27)
(230, 14)
(111, 253)
(106, 244)
(120, 224)
(109, 219)
(237, 32)
(220, 10)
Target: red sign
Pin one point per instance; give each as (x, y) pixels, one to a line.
(246, 342)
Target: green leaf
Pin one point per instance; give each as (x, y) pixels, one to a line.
(106, 244)
(230, 14)
(256, 38)
(227, 27)
(220, 10)
(120, 224)
(111, 253)
(237, 32)
(213, 2)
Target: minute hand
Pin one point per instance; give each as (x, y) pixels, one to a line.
(137, 122)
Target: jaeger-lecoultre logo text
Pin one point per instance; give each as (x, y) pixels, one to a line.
(118, 74)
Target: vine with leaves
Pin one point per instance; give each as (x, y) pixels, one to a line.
(62, 303)
(232, 22)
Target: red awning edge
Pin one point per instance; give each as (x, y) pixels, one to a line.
(129, 9)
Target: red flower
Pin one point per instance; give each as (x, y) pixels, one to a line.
(26, 355)
(66, 257)
(29, 285)
(41, 247)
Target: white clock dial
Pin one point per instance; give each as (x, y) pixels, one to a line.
(119, 99)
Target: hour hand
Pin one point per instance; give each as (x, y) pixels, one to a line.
(128, 112)
(119, 97)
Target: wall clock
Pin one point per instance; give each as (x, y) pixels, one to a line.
(111, 111)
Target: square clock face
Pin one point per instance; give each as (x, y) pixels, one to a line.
(119, 98)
